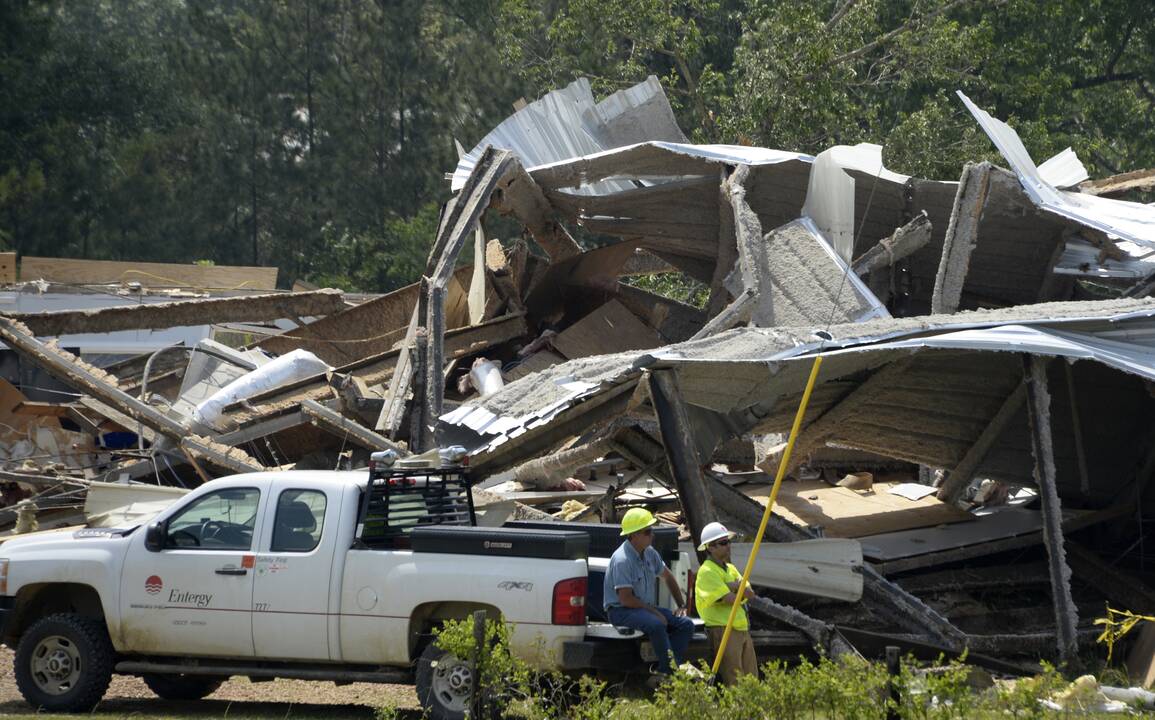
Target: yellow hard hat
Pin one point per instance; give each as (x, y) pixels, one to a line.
(637, 519)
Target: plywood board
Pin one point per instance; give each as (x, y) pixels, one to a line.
(846, 513)
(609, 329)
(106, 272)
(1141, 659)
(8, 268)
(1011, 522)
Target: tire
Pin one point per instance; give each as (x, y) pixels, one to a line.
(182, 687)
(64, 663)
(443, 684)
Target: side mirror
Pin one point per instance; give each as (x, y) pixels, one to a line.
(154, 537)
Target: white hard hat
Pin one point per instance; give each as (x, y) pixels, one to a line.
(714, 531)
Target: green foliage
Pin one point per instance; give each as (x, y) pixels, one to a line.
(674, 285)
(314, 135)
(847, 689)
(805, 76)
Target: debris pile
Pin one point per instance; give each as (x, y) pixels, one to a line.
(971, 468)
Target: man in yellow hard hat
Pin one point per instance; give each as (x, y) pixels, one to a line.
(631, 591)
(715, 589)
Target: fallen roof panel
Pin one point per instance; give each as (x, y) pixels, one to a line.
(1092, 330)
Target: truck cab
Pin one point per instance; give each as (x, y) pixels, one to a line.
(320, 575)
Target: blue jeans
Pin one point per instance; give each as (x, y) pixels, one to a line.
(674, 636)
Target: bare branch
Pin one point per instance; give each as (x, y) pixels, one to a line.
(888, 37)
(1106, 79)
(1122, 46)
(840, 13)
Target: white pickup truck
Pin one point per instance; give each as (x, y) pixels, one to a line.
(305, 574)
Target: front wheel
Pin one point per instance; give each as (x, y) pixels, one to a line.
(64, 663)
(182, 687)
(444, 683)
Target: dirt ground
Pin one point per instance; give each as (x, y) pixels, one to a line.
(236, 698)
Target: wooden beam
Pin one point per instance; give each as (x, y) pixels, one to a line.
(92, 381)
(960, 477)
(518, 195)
(334, 422)
(961, 237)
(39, 480)
(252, 308)
(547, 471)
(1066, 614)
(41, 409)
(678, 438)
(727, 246)
(904, 242)
(824, 635)
(1142, 180)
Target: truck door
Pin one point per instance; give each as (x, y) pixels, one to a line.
(194, 596)
(294, 574)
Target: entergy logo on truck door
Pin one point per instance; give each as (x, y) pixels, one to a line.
(153, 584)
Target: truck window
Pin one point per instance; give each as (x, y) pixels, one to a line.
(221, 520)
(299, 522)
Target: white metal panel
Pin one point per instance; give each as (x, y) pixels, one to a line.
(1127, 220)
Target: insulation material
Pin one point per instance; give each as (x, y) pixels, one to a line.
(809, 284)
(211, 367)
(297, 365)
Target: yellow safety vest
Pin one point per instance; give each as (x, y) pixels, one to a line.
(709, 589)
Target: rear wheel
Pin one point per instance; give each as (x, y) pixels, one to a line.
(64, 663)
(444, 684)
(182, 687)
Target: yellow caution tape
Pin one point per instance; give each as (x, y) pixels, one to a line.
(1116, 625)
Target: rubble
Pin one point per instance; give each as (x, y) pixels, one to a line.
(989, 335)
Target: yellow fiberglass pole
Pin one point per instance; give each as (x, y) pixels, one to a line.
(782, 464)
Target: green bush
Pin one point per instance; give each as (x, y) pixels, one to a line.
(846, 689)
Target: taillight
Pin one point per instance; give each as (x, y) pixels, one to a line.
(569, 602)
(3, 576)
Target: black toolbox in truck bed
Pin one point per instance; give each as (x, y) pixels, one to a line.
(563, 543)
(605, 537)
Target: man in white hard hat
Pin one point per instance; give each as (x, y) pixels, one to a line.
(631, 591)
(715, 590)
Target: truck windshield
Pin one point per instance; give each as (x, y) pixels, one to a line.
(221, 520)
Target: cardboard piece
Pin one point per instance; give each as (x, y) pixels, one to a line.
(609, 329)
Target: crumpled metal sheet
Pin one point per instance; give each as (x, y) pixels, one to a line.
(568, 123)
(1120, 334)
(1131, 222)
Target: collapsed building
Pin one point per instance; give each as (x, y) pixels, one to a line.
(987, 355)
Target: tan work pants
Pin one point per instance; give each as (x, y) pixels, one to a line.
(739, 658)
